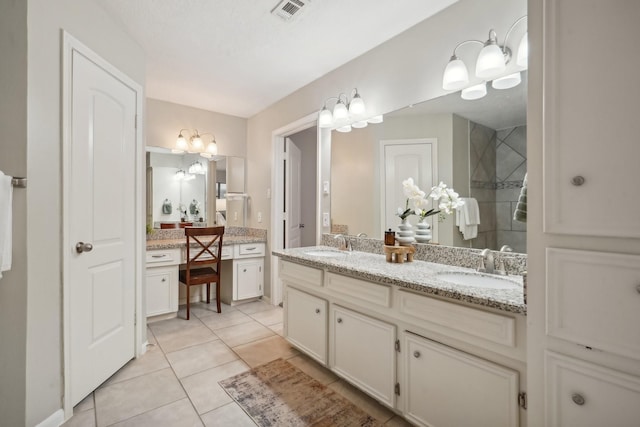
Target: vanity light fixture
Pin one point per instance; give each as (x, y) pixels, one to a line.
(180, 174)
(196, 168)
(195, 144)
(346, 114)
(492, 61)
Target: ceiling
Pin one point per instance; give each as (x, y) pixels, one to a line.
(235, 57)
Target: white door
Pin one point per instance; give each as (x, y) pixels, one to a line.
(101, 214)
(293, 183)
(402, 159)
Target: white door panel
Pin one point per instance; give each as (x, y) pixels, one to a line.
(294, 181)
(102, 213)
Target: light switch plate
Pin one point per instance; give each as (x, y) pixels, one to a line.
(325, 187)
(259, 216)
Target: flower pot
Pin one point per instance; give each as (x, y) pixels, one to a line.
(423, 232)
(405, 235)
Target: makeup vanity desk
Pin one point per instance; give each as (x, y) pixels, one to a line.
(242, 275)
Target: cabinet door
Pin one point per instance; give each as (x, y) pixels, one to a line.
(306, 323)
(248, 278)
(363, 351)
(582, 394)
(591, 148)
(446, 387)
(162, 290)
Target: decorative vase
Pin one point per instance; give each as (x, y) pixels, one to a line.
(423, 232)
(406, 235)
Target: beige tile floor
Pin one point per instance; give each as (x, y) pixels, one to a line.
(175, 383)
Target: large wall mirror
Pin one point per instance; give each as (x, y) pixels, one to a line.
(480, 151)
(187, 188)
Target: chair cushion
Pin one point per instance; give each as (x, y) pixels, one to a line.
(199, 276)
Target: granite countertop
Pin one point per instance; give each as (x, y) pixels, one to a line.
(419, 276)
(182, 242)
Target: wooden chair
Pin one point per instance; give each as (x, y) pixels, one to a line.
(206, 250)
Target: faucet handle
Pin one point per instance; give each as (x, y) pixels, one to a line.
(481, 268)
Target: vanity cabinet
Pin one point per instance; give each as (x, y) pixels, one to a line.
(447, 387)
(243, 277)
(162, 281)
(306, 320)
(363, 351)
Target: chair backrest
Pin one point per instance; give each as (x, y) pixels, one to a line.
(204, 245)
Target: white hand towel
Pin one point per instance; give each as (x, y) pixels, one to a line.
(6, 199)
(468, 218)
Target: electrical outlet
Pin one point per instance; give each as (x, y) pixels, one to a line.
(259, 216)
(326, 221)
(325, 187)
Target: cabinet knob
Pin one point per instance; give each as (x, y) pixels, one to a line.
(416, 354)
(164, 279)
(317, 311)
(244, 271)
(638, 288)
(578, 399)
(339, 319)
(577, 180)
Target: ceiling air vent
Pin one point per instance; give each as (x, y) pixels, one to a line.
(287, 9)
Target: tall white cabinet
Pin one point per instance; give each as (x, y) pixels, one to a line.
(584, 219)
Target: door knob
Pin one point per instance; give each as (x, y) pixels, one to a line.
(83, 247)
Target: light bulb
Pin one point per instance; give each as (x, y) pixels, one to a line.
(507, 82)
(490, 61)
(474, 92)
(325, 119)
(212, 148)
(196, 142)
(523, 52)
(356, 106)
(181, 143)
(340, 112)
(455, 75)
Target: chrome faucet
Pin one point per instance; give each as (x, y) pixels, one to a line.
(487, 262)
(345, 245)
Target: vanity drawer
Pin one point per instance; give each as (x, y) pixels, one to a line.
(227, 252)
(359, 290)
(300, 274)
(593, 299)
(488, 326)
(245, 250)
(162, 257)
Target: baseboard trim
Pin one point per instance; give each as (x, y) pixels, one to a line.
(54, 420)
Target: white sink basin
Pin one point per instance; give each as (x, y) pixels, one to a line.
(477, 280)
(324, 253)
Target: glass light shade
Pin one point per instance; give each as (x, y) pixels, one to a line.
(507, 82)
(474, 92)
(212, 147)
(189, 177)
(196, 142)
(376, 119)
(359, 125)
(325, 119)
(196, 168)
(490, 62)
(523, 52)
(181, 143)
(344, 129)
(356, 107)
(180, 174)
(340, 112)
(455, 75)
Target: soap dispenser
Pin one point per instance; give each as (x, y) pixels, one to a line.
(390, 238)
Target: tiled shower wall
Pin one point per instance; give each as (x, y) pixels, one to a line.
(498, 161)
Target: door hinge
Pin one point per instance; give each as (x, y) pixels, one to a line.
(398, 346)
(135, 319)
(522, 400)
(135, 120)
(396, 389)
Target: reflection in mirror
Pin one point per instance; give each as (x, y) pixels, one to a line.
(481, 153)
(178, 187)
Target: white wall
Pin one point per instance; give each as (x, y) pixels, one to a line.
(165, 119)
(404, 70)
(92, 26)
(13, 161)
